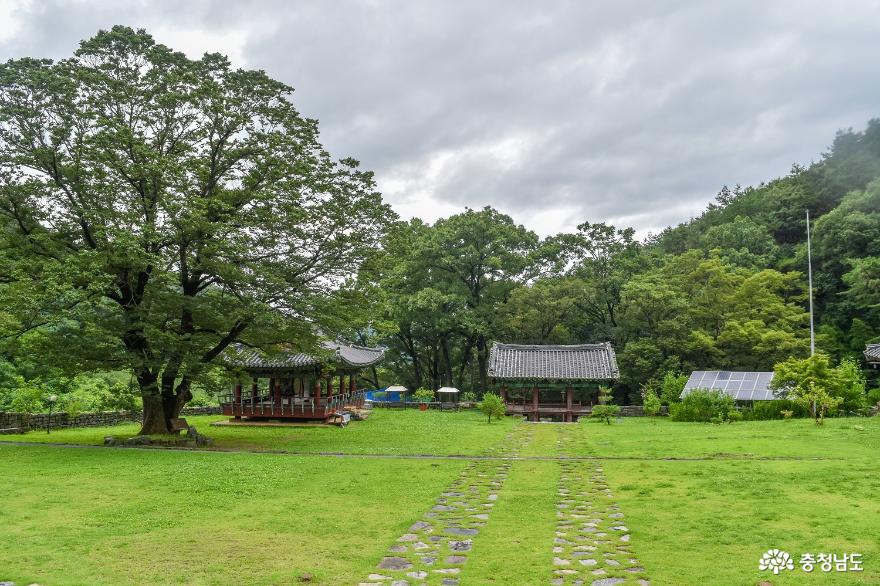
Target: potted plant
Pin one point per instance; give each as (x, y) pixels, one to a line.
(423, 396)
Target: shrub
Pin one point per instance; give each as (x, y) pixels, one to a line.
(468, 397)
(651, 403)
(423, 395)
(874, 396)
(492, 406)
(786, 414)
(734, 415)
(605, 410)
(702, 405)
(767, 410)
(671, 387)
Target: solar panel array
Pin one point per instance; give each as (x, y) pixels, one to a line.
(742, 386)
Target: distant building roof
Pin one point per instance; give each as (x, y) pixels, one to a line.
(354, 356)
(742, 386)
(872, 353)
(540, 362)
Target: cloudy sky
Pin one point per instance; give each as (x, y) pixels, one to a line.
(556, 112)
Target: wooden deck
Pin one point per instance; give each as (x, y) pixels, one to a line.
(289, 407)
(535, 412)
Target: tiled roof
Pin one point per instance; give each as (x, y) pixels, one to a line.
(356, 356)
(872, 353)
(537, 362)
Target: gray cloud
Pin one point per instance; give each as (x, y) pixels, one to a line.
(553, 112)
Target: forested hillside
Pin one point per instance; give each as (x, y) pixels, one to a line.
(725, 290)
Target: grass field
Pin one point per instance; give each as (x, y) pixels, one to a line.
(702, 502)
(403, 432)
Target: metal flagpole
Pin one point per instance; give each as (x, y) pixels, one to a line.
(810, 286)
(810, 283)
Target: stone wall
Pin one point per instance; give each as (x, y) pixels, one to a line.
(639, 411)
(24, 421)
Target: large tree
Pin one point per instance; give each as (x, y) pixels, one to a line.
(156, 209)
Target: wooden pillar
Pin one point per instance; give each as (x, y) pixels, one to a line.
(569, 400)
(275, 392)
(255, 388)
(236, 399)
(535, 401)
(504, 394)
(351, 381)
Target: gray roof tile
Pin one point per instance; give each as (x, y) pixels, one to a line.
(546, 362)
(872, 353)
(355, 356)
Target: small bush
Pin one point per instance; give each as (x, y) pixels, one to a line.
(767, 410)
(651, 403)
(786, 414)
(734, 416)
(423, 395)
(468, 397)
(874, 396)
(702, 405)
(492, 406)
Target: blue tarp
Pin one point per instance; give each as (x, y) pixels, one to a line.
(393, 396)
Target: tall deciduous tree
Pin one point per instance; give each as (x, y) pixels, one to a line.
(163, 208)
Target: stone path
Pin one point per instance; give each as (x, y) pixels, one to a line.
(592, 542)
(437, 546)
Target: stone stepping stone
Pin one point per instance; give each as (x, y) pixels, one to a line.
(419, 574)
(397, 548)
(378, 577)
(419, 526)
(464, 545)
(448, 571)
(400, 583)
(561, 562)
(607, 582)
(588, 562)
(449, 582)
(456, 559)
(407, 537)
(395, 563)
(461, 531)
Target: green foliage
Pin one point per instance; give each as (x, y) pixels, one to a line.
(423, 395)
(702, 405)
(492, 406)
(171, 207)
(776, 409)
(651, 403)
(468, 397)
(845, 382)
(672, 386)
(605, 410)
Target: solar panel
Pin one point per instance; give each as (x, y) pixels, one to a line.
(742, 386)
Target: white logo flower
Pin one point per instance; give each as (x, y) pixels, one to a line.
(776, 560)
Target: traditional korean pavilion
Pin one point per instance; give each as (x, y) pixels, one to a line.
(541, 381)
(872, 354)
(296, 386)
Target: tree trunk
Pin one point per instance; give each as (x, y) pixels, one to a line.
(154, 420)
(482, 361)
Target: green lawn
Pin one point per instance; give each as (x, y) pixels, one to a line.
(702, 502)
(384, 432)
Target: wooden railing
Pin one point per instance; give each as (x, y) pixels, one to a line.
(289, 406)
